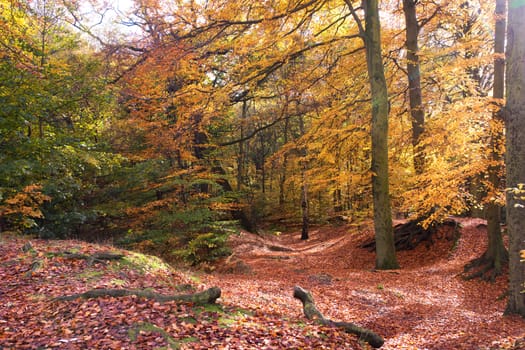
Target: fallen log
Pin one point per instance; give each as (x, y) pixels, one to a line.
(100, 257)
(409, 235)
(312, 313)
(209, 296)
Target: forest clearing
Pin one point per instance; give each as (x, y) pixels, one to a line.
(301, 174)
(425, 305)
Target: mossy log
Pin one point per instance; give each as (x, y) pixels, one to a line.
(93, 258)
(312, 313)
(209, 296)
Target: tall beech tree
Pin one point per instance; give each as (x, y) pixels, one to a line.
(496, 255)
(417, 111)
(385, 249)
(457, 71)
(515, 155)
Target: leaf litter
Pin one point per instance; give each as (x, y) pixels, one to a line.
(424, 305)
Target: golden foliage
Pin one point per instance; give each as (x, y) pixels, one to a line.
(302, 63)
(24, 206)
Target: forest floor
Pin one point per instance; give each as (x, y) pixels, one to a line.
(423, 305)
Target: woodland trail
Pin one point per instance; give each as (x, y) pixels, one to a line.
(424, 305)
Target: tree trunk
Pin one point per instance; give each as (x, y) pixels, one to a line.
(242, 153)
(414, 84)
(385, 250)
(304, 187)
(337, 200)
(304, 207)
(261, 159)
(282, 177)
(496, 251)
(515, 155)
(496, 255)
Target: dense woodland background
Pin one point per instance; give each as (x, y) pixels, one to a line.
(191, 119)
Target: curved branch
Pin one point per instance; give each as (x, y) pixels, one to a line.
(353, 11)
(312, 313)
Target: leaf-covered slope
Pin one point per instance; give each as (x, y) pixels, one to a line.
(31, 316)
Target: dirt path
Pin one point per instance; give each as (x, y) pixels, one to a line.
(424, 305)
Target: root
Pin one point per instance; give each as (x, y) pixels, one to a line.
(485, 268)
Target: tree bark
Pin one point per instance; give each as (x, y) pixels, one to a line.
(304, 187)
(496, 251)
(284, 168)
(312, 313)
(417, 112)
(515, 153)
(385, 250)
(242, 153)
(496, 255)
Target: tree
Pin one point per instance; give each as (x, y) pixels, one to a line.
(385, 249)
(54, 103)
(496, 254)
(457, 67)
(515, 156)
(304, 187)
(417, 111)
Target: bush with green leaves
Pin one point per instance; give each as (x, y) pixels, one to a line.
(205, 247)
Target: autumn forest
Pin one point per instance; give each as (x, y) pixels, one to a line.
(157, 155)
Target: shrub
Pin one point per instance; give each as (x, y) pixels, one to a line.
(205, 247)
(21, 210)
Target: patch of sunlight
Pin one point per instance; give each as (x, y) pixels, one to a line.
(429, 297)
(118, 282)
(212, 308)
(144, 263)
(397, 293)
(37, 297)
(149, 327)
(228, 320)
(237, 316)
(90, 275)
(195, 279)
